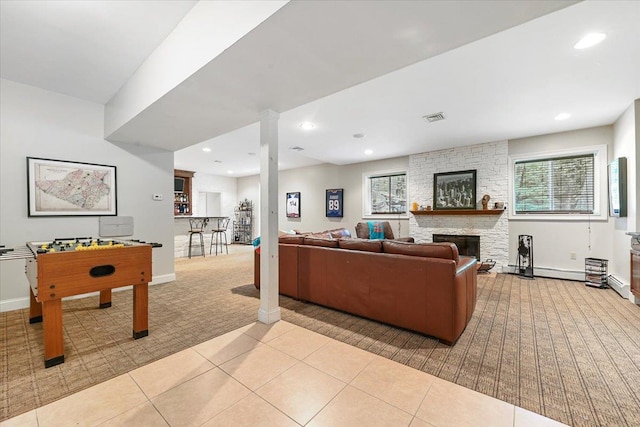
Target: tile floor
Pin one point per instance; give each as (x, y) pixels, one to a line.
(277, 375)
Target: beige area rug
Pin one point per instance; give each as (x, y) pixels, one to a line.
(555, 347)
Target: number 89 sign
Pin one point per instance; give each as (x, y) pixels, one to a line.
(334, 203)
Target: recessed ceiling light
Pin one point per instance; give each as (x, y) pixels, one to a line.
(307, 125)
(589, 40)
(206, 149)
(368, 152)
(562, 116)
(217, 161)
(229, 172)
(296, 148)
(252, 154)
(359, 135)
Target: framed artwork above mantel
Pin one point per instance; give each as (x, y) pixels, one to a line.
(454, 190)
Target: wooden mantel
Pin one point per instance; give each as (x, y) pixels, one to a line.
(460, 212)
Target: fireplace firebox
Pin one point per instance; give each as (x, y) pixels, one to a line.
(467, 245)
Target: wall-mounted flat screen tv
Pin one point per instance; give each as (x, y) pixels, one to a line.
(178, 185)
(617, 172)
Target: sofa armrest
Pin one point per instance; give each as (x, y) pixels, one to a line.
(405, 239)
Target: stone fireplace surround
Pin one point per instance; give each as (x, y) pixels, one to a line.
(490, 160)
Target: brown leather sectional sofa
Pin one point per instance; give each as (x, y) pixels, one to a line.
(426, 287)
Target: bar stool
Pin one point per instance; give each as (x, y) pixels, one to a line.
(197, 226)
(217, 233)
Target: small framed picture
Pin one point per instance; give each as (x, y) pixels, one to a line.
(293, 205)
(454, 190)
(334, 203)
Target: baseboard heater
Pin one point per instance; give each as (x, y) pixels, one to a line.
(552, 273)
(618, 286)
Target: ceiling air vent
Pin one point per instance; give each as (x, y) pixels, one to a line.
(296, 148)
(434, 117)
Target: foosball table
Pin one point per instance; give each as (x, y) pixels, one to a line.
(74, 266)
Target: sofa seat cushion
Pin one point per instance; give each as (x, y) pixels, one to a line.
(431, 250)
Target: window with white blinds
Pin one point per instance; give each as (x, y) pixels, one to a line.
(555, 185)
(385, 193)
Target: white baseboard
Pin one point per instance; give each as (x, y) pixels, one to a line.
(165, 278)
(20, 303)
(14, 304)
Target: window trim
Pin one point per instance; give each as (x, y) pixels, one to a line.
(599, 184)
(366, 194)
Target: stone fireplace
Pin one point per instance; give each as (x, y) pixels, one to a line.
(490, 160)
(467, 245)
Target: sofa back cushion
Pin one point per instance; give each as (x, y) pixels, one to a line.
(432, 250)
(291, 239)
(361, 245)
(320, 241)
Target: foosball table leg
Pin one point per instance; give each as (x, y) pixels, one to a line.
(52, 325)
(140, 310)
(35, 309)
(105, 298)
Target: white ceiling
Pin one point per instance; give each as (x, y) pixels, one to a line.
(86, 49)
(509, 84)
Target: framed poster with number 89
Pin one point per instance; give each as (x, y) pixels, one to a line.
(334, 203)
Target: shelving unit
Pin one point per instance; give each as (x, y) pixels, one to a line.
(595, 272)
(243, 223)
(182, 204)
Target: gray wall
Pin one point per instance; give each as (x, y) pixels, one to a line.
(626, 143)
(38, 123)
(554, 241)
(312, 183)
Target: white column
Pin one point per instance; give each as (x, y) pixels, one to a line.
(269, 311)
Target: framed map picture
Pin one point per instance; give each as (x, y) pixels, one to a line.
(62, 188)
(334, 203)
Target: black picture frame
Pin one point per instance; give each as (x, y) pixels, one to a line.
(292, 205)
(454, 190)
(66, 188)
(334, 203)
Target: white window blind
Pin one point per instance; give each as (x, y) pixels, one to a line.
(556, 185)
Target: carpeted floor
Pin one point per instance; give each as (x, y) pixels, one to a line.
(555, 347)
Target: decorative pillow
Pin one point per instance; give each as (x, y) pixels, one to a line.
(361, 245)
(376, 230)
(339, 232)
